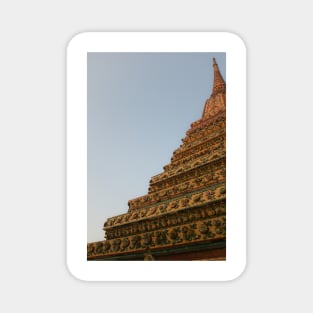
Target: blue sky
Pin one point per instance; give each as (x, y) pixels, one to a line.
(140, 106)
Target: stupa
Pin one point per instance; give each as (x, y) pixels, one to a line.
(183, 215)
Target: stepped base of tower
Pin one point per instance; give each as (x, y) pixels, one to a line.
(205, 251)
(169, 230)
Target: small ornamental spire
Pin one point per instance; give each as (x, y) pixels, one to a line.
(219, 83)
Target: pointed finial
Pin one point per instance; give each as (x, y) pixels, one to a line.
(217, 101)
(219, 83)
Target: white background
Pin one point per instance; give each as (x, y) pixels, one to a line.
(34, 35)
(76, 164)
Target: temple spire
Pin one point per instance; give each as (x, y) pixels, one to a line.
(219, 83)
(217, 101)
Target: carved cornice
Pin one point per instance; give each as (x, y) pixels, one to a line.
(181, 183)
(213, 156)
(166, 190)
(207, 195)
(194, 225)
(197, 151)
(203, 131)
(201, 135)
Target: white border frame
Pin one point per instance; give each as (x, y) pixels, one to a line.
(77, 156)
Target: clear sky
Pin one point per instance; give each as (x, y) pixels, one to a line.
(140, 106)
